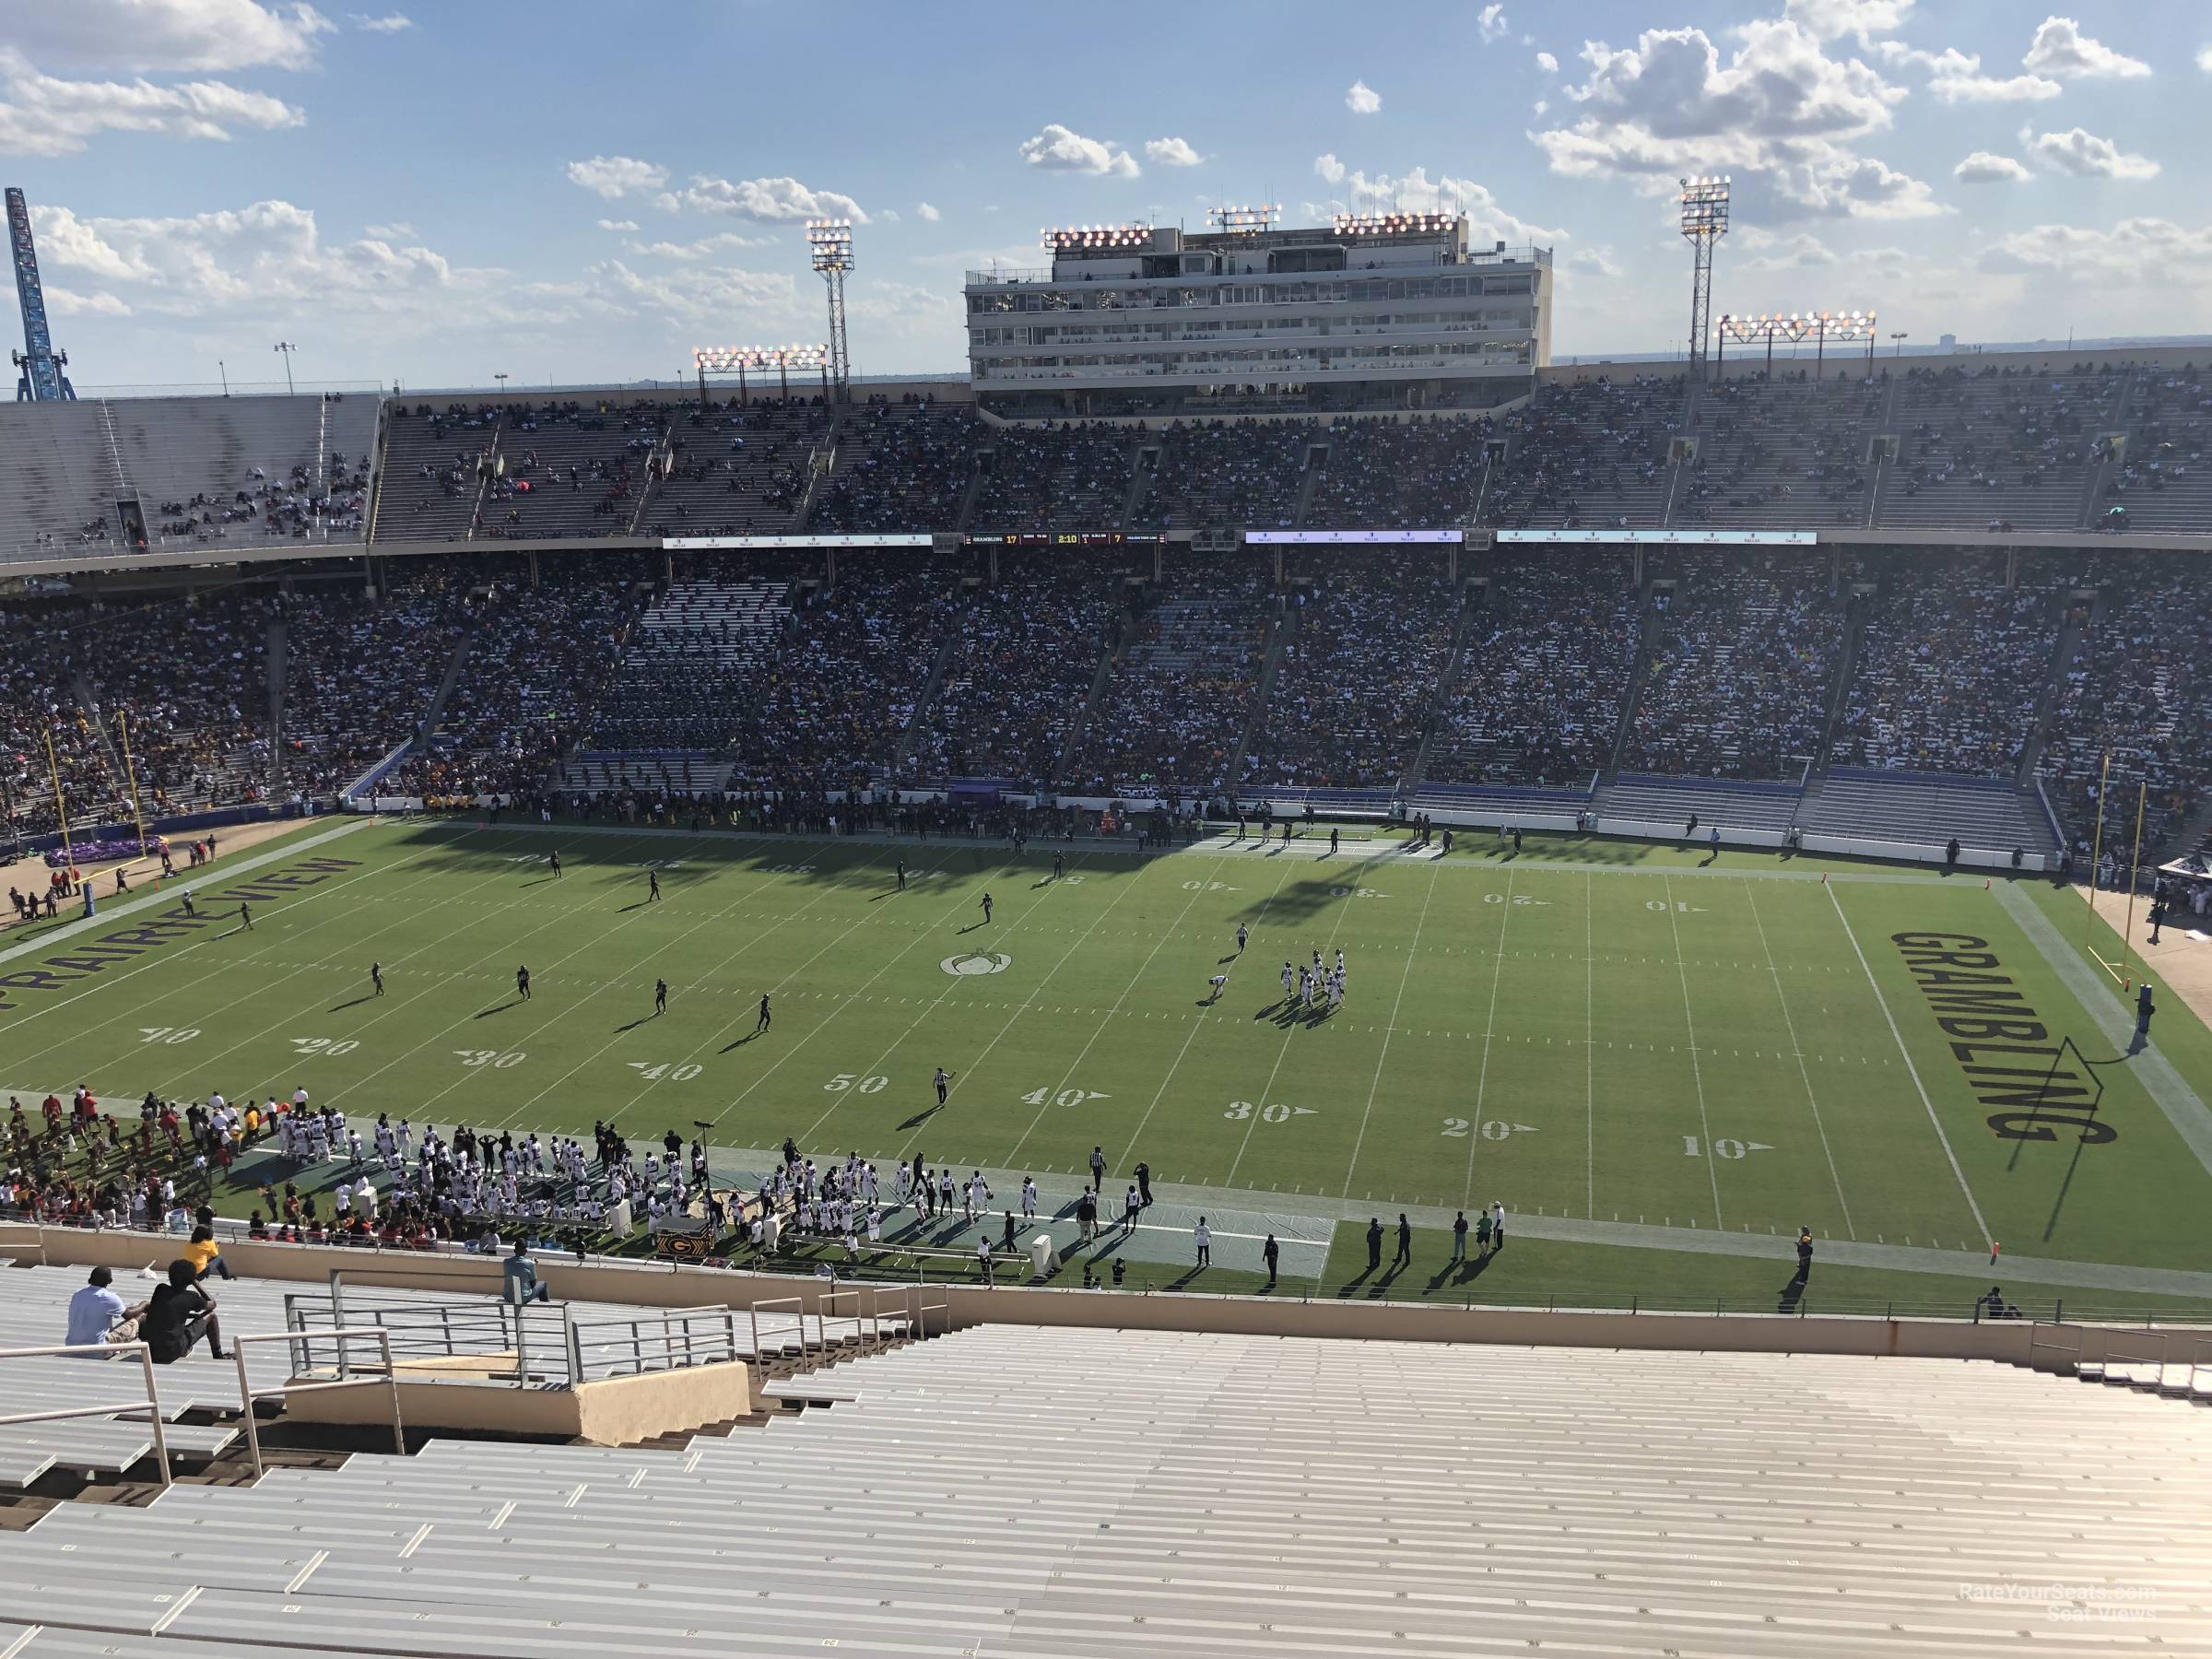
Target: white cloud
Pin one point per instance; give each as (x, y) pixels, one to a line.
(391, 23)
(1172, 152)
(705, 248)
(1490, 23)
(397, 231)
(269, 259)
(771, 201)
(1546, 61)
(44, 115)
(1832, 19)
(1594, 261)
(1984, 168)
(2086, 155)
(618, 224)
(923, 211)
(67, 302)
(1362, 98)
(1779, 115)
(688, 295)
(1799, 253)
(888, 215)
(1956, 76)
(1416, 191)
(1057, 150)
(2203, 59)
(172, 37)
(1329, 169)
(1542, 105)
(2151, 251)
(2059, 48)
(616, 176)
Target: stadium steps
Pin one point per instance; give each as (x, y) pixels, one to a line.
(1309, 479)
(1847, 662)
(2120, 418)
(964, 520)
(87, 700)
(918, 716)
(2046, 701)
(279, 645)
(426, 726)
(1646, 634)
(1143, 467)
(1419, 773)
(1116, 637)
(821, 466)
(1284, 623)
(656, 461)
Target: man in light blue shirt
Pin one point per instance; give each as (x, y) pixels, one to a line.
(97, 1316)
(519, 1277)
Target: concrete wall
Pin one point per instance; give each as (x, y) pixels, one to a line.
(615, 1411)
(660, 1285)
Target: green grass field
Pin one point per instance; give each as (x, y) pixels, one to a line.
(1662, 1066)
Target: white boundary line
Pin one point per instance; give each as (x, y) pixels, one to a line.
(1589, 1051)
(1383, 1054)
(1697, 1072)
(1490, 1036)
(1934, 1122)
(1106, 1019)
(1804, 1072)
(1259, 1105)
(1174, 1065)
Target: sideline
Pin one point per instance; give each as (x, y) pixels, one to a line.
(2185, 1109)
(165, 894)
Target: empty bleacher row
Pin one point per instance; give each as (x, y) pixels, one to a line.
(1095, 1492)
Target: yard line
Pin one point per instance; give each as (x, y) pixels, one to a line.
(1804, 1072)
(1589, 1055)
(1197, 1026)
(1697, 1071)
(504, 945)
(259, 955)
(975, 1064)
(1935, 1122)
(843, 1002)
(1384, 1053)
(827, 888)
(1490, 1036)
(1344, 905)
(1107, 1018)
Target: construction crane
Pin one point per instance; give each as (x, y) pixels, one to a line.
(38, 367)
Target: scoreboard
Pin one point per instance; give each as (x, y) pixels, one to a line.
(1067, 538)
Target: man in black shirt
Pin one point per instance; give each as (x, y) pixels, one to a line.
(179, 1315)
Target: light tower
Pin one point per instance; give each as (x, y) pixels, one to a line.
(1704, 222)
(37, 366)
(832, 243)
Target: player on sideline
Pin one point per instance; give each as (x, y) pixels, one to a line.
(763, 1024)
(659, 996)
(553, 858)
(1059, 866)
(652, 887)
(522, 983)
(1242, 934)
(899, 869)
(245, 917)
(187, 902)
(943, 1081)
(986, 905)
(376, 977)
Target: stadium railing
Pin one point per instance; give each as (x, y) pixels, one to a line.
(248, 1393)
(150, 1405)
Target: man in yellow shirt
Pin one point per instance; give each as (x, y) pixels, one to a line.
(205, 1255)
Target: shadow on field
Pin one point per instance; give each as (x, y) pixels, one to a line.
(356, 1002)
(499, 1007)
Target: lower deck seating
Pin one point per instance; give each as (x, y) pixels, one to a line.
(1097, 1493)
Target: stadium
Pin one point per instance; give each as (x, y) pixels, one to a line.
(1273, 972)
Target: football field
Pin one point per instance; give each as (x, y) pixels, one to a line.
(1661, 1064)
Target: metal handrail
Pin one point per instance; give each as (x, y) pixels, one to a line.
(248, 1393)
(2073, 1354)
(798, 1305)
(2115, 1354)
(151, 1405)
(919, 1304)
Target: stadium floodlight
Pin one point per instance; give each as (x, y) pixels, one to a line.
(286, 348)
(1704, 222)
(1797, 326)
(740, 360)
(829, 241)
(1243, 221)
(1084, 239)
(1392, 224)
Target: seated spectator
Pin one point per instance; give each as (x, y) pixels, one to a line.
(97, 1316)
(518, 1277)
(179, 1315)
(205, 1255)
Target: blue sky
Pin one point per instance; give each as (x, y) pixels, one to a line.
(568, 191)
